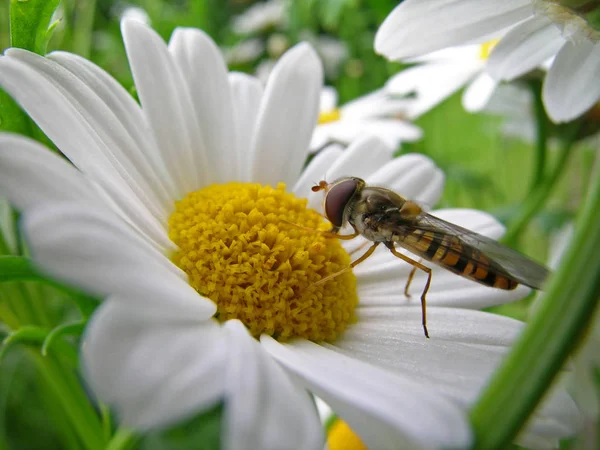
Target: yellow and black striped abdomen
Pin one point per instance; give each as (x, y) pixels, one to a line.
(452, 254)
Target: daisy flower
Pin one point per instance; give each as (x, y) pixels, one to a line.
(178, 212)
(536, 30)
(260, 16)
(376, 113)
(438, 75)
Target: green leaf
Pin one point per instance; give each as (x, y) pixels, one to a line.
(36, 335)
(12, 118)
(18, 268)
(67, 329)
(200, 433)
(557, 327)
(29, 22)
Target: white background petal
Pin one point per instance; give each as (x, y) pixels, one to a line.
(524, 48)
(413, 176)
(478, 93)
(155, 373)
(571, 86)
(386, 410)
(287, 117)
(432, 83)
(264, 408)
(416, 27)
(360, 159)
(97, 252)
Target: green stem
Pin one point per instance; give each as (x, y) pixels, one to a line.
(537, 199)
(74, 402)
(123, 439)
(541, 122)
(83, 26)
(553, 333)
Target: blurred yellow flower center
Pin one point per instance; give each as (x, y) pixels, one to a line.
(486, 48)
(330, 116)
(341, 437)
(238, 248)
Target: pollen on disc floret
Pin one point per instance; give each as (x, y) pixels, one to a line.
(238, 248)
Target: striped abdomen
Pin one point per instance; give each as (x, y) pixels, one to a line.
(452, 254)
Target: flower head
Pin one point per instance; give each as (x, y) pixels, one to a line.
(184, 213)
(536, 30)
(377, 114)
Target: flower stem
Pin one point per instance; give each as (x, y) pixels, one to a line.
(73, 401)
(553, 333)
(538, 197)
(541, 122)
(123, 439)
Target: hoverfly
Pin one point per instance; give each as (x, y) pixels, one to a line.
(382, 216)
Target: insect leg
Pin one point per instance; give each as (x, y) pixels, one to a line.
(416, 265)
(353, 264)
(410, 278)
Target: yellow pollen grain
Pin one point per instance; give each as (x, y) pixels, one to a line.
(330, 116)
(238, 248)
(341, 437)
(486, 48)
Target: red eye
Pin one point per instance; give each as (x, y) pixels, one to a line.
(337, 199)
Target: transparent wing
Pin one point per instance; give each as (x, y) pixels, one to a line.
(514, 263)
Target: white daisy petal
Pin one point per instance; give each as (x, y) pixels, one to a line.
(479, 92)
(95, 251)
(447, 289)
(167, 104)
(464, 349)
(287, 117)
(432, 83)
(143, 152)
(316, 170)
(524, 48)
(416, 27)
(360, 159)
(96, 143)
(387, 412)
(571, 86)
(205, 73)
(246, 92)
(265, 409)
(414, 176)
(29, 173)
(130, 361)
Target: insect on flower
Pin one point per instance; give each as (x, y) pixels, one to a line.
(382, 216)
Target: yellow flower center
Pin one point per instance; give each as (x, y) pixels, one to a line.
(330, 116)
(486, 48)
(341, 437)
(239, 248)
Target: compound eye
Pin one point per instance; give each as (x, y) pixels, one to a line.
(337, 198)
